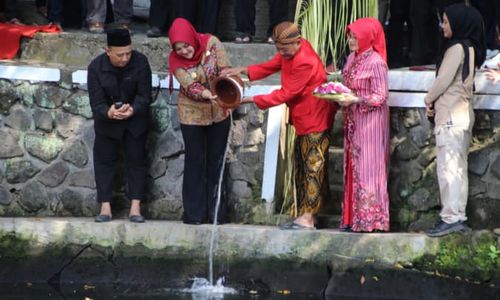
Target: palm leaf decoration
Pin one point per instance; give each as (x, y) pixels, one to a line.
(344, 13)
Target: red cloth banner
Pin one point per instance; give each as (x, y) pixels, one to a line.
(10, 36)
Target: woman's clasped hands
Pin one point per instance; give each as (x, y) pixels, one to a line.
(348, 99)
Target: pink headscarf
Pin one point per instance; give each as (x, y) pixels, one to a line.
(370, 34)
(183, 31)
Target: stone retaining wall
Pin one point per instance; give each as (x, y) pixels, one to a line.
(413, 185)
(46, 164)
(46, 160)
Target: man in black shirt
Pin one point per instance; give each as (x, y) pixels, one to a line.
(119, 84)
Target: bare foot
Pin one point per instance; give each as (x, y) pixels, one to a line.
(135, 208)
(306, 219)
(105, 209)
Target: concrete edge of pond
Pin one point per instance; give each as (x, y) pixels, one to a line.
(165, 238)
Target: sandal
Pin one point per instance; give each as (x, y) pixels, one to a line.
(42, 10)
(96, 27)
(15, 21)
(246, 39)
(345, 229)
(295, 226)
(125, 26)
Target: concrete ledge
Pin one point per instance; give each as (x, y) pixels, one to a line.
(234, 242)
(30, 73)
(405, 79)
(416, 99)
(77, 49)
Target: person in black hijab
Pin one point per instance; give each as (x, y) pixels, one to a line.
(449, 100)
(468, 30)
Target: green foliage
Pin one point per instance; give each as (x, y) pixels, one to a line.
(475, 259)
(289, 193)
(12, 246)
(494, 253)
(314, 18)
(256, 192)
(449, 258)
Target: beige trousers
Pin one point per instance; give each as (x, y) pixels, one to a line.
(452, 149)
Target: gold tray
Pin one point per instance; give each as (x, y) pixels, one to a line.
(331, 97)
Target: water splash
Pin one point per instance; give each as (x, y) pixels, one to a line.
(201, 289)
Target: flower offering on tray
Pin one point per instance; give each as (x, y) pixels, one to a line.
(332, 90)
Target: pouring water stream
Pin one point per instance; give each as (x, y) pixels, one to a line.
(206, 289)
(217, 204)
(200, 285)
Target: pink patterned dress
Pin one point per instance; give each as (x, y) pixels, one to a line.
(365, 206)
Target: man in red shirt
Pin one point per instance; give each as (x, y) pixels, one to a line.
(301, 72)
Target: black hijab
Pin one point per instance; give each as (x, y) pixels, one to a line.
(468, 30)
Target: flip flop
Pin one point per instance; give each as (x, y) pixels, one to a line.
(246, 39)
(345, 229)
(295, 226)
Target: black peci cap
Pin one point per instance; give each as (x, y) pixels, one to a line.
(118, 37)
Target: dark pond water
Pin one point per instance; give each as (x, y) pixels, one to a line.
(46, 292)
(365, 284)
(127, 278)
